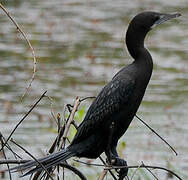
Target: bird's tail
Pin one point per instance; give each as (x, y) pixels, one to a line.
(47, 162)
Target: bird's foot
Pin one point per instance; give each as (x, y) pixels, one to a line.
(122, 172)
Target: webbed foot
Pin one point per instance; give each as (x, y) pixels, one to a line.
(122, 171)
(116, 161)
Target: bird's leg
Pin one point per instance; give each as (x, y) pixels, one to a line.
(108, 149)
(112, 155)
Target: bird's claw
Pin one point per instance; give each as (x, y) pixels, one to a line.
(116, 161)
(122, 172)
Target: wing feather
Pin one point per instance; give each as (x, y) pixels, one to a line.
(109, 101)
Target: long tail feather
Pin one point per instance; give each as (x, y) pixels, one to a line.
(48, 162)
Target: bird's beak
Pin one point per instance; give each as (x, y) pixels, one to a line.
(165, 17)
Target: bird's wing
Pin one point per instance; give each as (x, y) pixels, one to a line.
(109, 101)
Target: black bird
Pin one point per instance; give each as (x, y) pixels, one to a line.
(113, 109)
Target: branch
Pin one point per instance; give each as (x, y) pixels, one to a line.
(76, 104)
(129, 167)
(29, 44)
(103, 174)
(2, 141)
(146, 166)
(22, 120)
(73, 169)
(33, 158)
(151, 172)
(62, 132)
(8, 147)
(13, 161)
(157, 134)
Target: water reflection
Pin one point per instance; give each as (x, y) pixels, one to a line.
(79, 46)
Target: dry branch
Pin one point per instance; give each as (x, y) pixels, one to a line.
(63, 131)
(13, 161)
(157, 134)
(103, 174)
(43, 167)
(75, 107)
(131, 167)
(29, 44)
(22, 120)
(149, 167)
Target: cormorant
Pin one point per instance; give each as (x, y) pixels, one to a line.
(112, 111)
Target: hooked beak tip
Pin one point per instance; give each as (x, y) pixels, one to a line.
(165, 17)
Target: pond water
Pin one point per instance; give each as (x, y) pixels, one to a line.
(79, 47)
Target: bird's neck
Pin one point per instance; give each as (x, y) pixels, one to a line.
(135, 41)
(135, 44)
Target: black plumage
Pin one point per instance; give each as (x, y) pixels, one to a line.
(116, 104)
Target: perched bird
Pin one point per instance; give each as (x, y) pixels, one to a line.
(112, 111)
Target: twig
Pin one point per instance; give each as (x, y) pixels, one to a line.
(76, 171)
(146, 166)
(151, 172)
(94, 164)
(23, 119)
(90, 97)
(129, 167)
(157, 134)
(13, 161)
(30, 46)
(2, 141)
(8, 147)
(109, 169)
(99, 165)
(134, 172)
(32, 157)
(103, 174)
(76, 104)
(51, 108)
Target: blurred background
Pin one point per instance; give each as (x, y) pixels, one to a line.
(79, 46)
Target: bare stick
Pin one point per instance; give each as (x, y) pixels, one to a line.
(13, 161)
(99, 165)
(103, 174)
(90, 97)
(76, 171)
(32, 157)
(129, 167)
(30, 46)
(2, 141)
(135, 171)
(76, 104)
(23, 119)
(8, 147)
(157, 134)
(151, 172)
(52, 109)
(146, 166)
(63, 131)
(109, 169)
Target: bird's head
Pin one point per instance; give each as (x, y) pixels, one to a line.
(140, 25)
(146, 21)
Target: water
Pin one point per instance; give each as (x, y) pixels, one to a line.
(79, 47)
